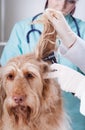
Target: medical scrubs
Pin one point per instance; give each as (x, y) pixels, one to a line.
(17, 45)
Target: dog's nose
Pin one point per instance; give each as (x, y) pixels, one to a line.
(19, 99)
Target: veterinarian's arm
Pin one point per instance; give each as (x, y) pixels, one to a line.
(70, 81)
(76, 53)
(64, 31)
(73, 47)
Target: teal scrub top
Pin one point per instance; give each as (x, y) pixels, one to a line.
(17, 45)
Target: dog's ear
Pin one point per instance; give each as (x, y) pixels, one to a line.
(47, 41)
(2, 93)
(48, 72)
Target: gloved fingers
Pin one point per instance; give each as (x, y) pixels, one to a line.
(68, 78)
(54, 13)
(58, 21)
(49, 14)
(54, 21)
(57, 16)
(54, 71)
(57, 71)
(66, 69)
(56, 66)
(62, 68)
(52, 75)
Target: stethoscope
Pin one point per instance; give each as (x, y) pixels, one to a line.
(33, 29)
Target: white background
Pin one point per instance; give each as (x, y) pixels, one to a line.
(16, 10)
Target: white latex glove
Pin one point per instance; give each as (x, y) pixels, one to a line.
(64, 31)
(70, 81)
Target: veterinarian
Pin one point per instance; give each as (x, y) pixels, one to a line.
(24, 38)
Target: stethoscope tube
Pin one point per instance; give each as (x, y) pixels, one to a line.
(31, 31)
(33, 28)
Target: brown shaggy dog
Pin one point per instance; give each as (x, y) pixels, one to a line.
(29, 100)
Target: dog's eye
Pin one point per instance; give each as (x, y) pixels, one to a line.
(29, 76)
(10, 76)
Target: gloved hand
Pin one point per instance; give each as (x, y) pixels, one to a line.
(67, 36)
(70, 81)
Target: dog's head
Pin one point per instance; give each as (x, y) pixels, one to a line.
(25, 92)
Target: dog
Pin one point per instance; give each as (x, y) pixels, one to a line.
(29, 100)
